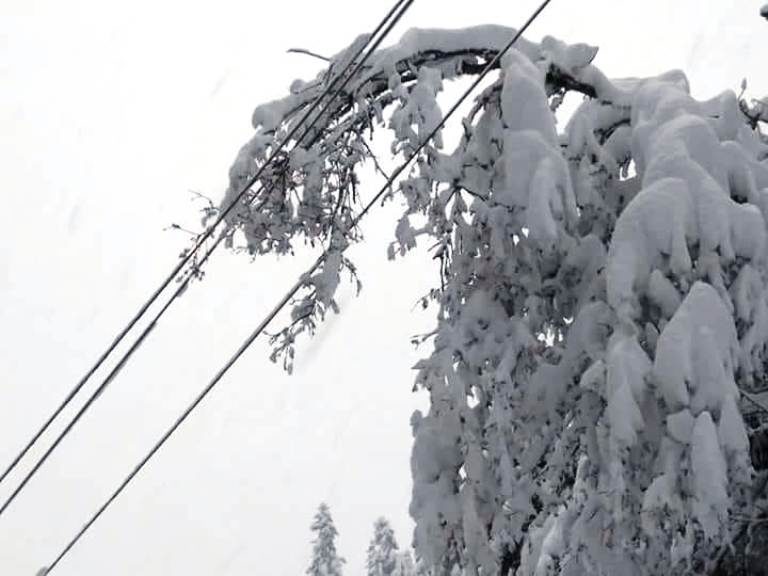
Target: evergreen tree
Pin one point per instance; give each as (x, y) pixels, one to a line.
(405, 565)
(382, 558)
(325, 560)
(603, 299)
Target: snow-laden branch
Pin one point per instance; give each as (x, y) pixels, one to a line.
(603, 297)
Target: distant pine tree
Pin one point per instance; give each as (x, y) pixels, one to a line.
(382, 557)
(405, 565)
(325, 559)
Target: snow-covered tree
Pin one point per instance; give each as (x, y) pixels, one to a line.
(602, 305)
(325, 559)
(405, 564)
(421, 568)
(382, 558)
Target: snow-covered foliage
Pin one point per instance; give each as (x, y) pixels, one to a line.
(604, 298)
(325, 560)
(383, 557)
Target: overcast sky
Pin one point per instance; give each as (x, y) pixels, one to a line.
(110, 113)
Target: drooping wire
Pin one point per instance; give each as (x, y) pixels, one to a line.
(198, 244)
(191, 253)
(375, 39)
(289, 295)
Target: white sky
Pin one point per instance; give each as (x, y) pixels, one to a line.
(110, 112)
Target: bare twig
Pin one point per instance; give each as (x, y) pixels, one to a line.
(375, 159)
(308, 53)
(175, 226)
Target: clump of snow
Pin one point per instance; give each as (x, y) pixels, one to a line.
(680, 426)
(418, 108)
(628, 368)
(696, 353)
(524, 104)
(710, 481)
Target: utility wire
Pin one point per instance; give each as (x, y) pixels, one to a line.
(290, 294)
(111, 376)
(401, 6)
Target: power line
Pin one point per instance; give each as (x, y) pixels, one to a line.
(208, 233)
(402, 6)
(110, 377)
(290, 294)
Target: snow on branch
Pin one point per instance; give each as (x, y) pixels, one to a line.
(603, 295)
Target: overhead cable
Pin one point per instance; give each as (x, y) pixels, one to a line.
(374, 40)
(289, 295)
